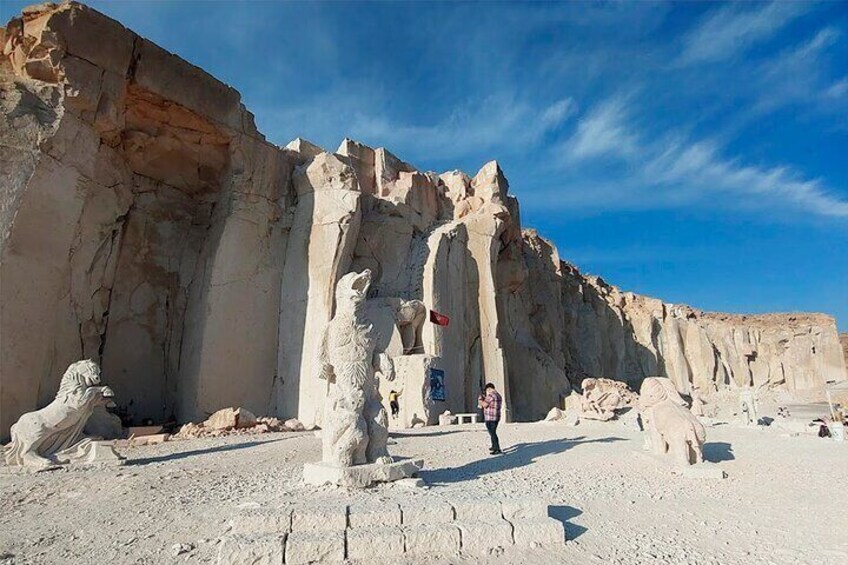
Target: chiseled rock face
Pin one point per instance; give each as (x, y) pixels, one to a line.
(629, 337)
(142, 223)
(147, 225)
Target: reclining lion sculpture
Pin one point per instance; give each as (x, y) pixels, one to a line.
(54, 434)
(670, 426)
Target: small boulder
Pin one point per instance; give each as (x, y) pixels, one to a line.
(294, 425)
(229, 418)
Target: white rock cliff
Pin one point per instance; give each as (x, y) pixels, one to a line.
(147, 225)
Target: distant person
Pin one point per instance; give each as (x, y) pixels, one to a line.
(393, 404)
(491, 405)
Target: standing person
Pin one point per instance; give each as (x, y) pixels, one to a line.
(491, 405)
(393, 404)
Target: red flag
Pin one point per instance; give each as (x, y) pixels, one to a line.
(439, 319)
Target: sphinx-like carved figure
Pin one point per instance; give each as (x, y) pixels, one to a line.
(54, 434)
(355, 427)
(670, 426)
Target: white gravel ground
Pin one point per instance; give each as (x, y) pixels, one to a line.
(784, 500)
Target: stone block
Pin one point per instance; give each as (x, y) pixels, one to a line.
(140, 431)
(438, 539)
(425, 513)
(154, 439)
(318, 518)
(376, 542)
(374, 515)
(477, 510)
(360, 476)
(311, 547)
(481, 538)
(252, 550)
(524, 509)
(546, 532)
(262, 521)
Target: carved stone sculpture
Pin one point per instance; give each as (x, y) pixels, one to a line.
(54, 434)
(670, 426)
(355, 422)
(748, 407)
(410, 316)
(602, 397)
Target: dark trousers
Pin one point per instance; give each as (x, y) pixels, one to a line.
(492, 428)
(395, 408)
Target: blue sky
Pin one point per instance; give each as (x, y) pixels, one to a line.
(695, 152)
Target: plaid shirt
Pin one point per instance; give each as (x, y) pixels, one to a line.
(492, 409)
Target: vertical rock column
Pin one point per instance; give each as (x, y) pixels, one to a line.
(229, 351)
(485, 227)
(445, 287)
(319, 251)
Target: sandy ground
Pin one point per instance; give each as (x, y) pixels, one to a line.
(784, 500)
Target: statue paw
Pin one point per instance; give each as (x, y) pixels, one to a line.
(384, 460)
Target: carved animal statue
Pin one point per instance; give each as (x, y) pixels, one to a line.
(54, 434)
(602, 397)
(355, 427)
(409, 316)
(670, 426)
(748, 407)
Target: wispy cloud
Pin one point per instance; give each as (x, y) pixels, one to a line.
(733, 29)
(496, 124)
(700, 169)
(838, 89)
(796, 75)
(673, 170)
(602, 132)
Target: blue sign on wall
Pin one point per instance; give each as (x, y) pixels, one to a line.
(437, 384)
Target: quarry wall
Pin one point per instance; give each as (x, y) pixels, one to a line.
(146, 224)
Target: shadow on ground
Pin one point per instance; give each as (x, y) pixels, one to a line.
(394, 434)
(184, 454)
(515, 456)
(563, 514)
(718, 451)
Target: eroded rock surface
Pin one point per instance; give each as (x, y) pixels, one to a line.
(147, 225)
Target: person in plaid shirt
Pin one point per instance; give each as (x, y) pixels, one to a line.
(491, 405)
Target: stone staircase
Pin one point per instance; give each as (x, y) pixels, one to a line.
(430, 527)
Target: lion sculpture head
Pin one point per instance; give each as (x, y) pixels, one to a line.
(79, 377)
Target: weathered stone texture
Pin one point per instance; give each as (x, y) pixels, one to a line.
(629, 337)
(146, 224)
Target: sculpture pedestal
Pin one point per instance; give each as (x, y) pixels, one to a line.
(360, 476)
